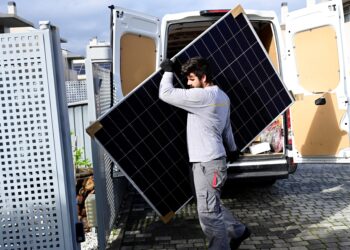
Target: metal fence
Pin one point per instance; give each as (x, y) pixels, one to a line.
(78, 122)
(109, 190)
(76, 91)
(37, 192)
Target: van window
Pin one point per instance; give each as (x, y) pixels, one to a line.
(138, 54)
(316, 54)
(346, 9)
(181, 33)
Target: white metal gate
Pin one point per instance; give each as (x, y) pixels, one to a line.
(37, 194)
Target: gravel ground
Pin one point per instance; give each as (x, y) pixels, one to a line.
(90, 242)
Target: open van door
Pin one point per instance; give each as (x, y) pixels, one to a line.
(136, 44)
(318, 75)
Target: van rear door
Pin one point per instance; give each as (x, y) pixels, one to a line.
(136, 44)
(318, 76)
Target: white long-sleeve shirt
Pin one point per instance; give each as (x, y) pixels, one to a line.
(208, 119)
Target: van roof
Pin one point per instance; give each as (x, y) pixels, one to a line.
(266, 14)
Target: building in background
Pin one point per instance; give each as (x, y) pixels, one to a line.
(11, 23)
(74, 66)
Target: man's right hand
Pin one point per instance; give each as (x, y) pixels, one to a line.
(167, 65)
(233, 156)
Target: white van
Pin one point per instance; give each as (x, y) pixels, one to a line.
(309, 58)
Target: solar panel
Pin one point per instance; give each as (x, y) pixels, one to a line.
(147, 137)
(242, 69)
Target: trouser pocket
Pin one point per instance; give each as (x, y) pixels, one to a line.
(208, 202)
(215, 173)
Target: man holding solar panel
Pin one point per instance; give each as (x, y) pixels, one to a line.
(209, 136)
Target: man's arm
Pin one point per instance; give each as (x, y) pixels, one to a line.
(229, 142)
(188, 99)
(227, 136)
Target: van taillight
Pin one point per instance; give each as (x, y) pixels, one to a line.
(220, 12)
(289, 127)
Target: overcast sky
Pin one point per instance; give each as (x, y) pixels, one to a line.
(81, 20)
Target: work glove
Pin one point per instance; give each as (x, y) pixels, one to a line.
(167, 65)
(233, 156)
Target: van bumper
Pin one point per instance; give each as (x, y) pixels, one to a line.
(261, 172)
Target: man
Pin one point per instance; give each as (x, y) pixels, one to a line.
(208, 132)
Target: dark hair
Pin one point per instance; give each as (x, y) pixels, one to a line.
(198, 66)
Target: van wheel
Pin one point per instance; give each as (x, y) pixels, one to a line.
(292, 167)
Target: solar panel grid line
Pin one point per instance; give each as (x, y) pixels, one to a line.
(142, 139)
(122, 131)
(262, 101)
(178, 185)
(150, 160)
(131, 93)
(147, 137)
(218, 44)
(142, 192)
(170, 142)
(136, 186)
(159, 126)
(167, 172)
(189, 55)
(147, 166)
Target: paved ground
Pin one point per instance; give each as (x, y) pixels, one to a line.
(310, 210)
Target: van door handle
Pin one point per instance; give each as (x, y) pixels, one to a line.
(320, 101)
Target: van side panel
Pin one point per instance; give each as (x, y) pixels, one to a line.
(138, 54)
(316, 127)
(316, 52)
(318, 75)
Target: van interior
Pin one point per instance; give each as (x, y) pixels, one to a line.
(182, 32)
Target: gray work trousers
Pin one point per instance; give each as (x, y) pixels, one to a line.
(217, 223)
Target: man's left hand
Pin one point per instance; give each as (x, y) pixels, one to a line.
(233, 156)
(167, 65)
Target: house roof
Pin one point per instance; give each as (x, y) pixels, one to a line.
(11, 20)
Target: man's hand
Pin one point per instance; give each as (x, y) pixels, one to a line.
(167, 65)
(233, 156)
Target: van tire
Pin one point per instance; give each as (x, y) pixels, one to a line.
(292, 167)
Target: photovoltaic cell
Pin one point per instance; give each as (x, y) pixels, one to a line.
(147, 137)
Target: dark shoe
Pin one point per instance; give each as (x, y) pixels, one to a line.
(235, 243)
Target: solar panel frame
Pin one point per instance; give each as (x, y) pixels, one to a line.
(261, 71)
